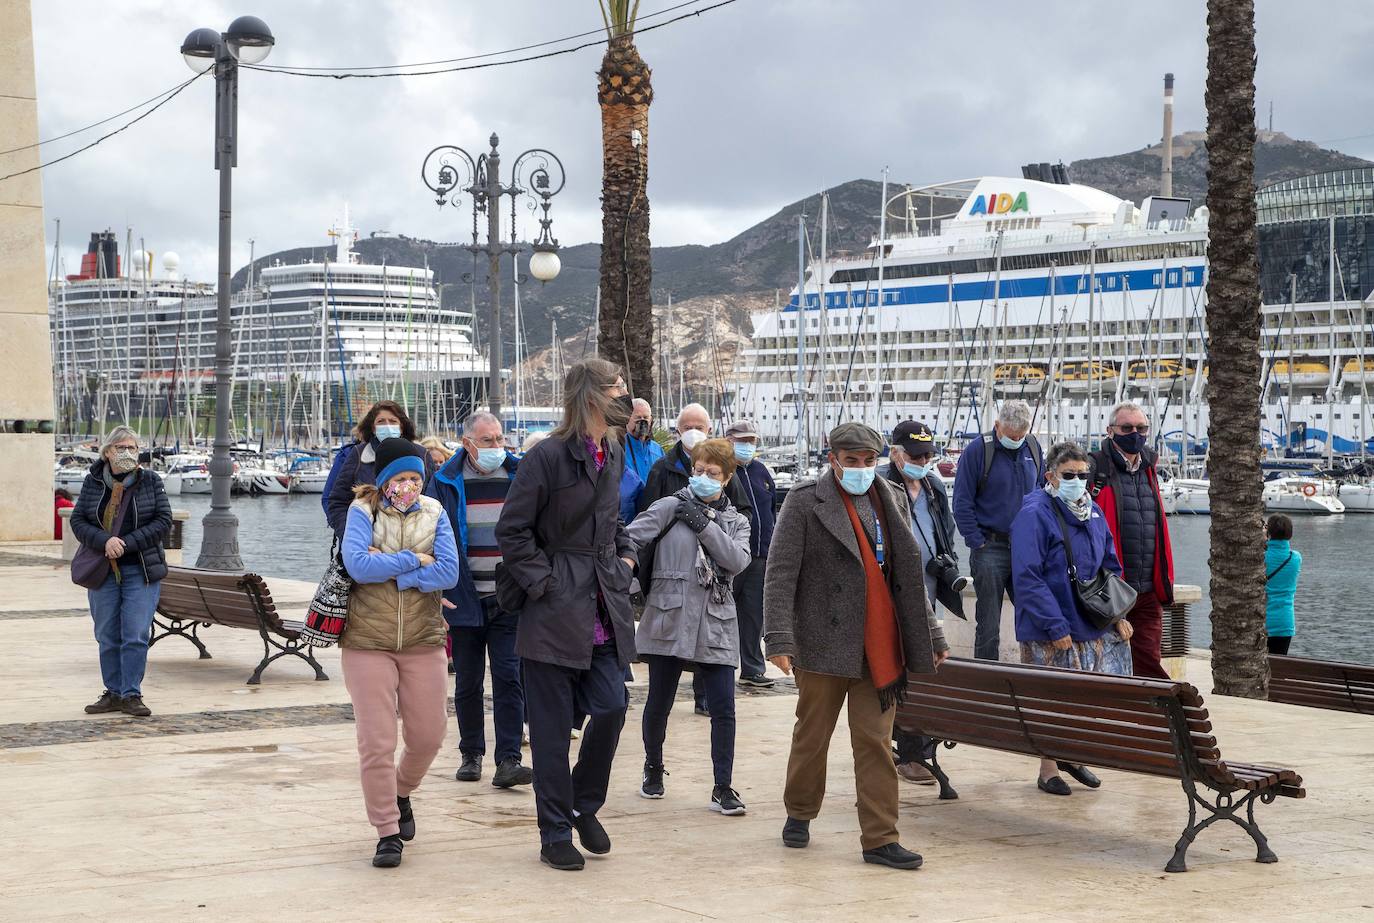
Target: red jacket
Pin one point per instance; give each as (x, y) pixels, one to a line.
(62, 503)
(1104, 492)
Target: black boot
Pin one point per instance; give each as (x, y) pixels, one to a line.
(388, 854)
(893, 856)
(511, 773)
(470, 770)
(107, 703)
(592, 835)
(407, 821)
(796, 833)
(563, 856)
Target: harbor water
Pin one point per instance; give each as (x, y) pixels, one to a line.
(286, 536)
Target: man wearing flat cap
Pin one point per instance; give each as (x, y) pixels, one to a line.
(845, 609)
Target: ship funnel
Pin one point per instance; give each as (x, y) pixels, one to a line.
(1166, 170)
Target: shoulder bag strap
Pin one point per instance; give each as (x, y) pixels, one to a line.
(1274, 573)
(1068, 545)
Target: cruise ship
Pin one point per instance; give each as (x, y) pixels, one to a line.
(314, 344)
(1073, 299)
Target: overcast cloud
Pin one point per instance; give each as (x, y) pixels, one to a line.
(757, 104)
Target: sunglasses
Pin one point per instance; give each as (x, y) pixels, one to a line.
(1073, 475)
(1141, 428)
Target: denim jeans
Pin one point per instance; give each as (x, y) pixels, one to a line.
(472, 648)
(123, 616)
(991, 566)
(718, 683)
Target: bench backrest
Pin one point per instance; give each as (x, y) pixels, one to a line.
(1322, 684)
(220, 598)
(1090, 718)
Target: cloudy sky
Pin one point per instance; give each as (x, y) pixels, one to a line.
(757, 104)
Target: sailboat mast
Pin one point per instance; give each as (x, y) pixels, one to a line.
(802, 456)
(824, 316)
(1331, 337)
(878, 310)
(1091, 364)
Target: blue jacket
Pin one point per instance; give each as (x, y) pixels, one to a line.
(447, 487)
(340, 459)
(631, 486)
(1013, 476)
(1280, 588)
(402, 566)
(1045, 606)
(641, 457)
(758, 485)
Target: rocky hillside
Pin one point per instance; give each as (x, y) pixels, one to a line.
(749, 272)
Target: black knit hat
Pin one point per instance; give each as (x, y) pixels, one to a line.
(396, 455)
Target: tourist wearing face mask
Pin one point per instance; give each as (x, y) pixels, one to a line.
(994, 473)
(1049, 626)
(399, 549)
(642, 451)
(472, 486)
(1126, 488)
(355, 465)
(689, 620)
(757, 482)
(123, 515)
(844, 607)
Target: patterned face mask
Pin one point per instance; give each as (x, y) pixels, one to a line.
(125, 460)
(402, 494)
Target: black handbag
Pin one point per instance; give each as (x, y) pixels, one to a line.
(1106, 598)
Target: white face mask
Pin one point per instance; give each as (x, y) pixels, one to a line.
(692, 438)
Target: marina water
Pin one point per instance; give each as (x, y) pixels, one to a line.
(285, 536)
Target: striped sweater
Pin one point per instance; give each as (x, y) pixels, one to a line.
(486, 495)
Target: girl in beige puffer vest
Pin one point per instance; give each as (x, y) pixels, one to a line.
(398, 547)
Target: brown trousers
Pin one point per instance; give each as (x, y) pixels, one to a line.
(819, 699)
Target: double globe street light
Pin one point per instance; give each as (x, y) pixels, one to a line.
(247, 41)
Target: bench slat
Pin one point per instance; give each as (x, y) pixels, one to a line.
(1197, 719)
(220, 598)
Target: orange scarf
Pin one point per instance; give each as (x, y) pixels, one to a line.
(882, 636)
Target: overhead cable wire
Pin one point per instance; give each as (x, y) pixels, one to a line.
(108, 135)
(77, 131)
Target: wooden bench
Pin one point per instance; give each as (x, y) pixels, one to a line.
(1156, 727)
(1322, 684)
(192, 598)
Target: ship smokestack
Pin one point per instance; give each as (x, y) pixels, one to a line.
(1166, 171)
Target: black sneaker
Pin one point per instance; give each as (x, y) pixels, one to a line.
(470, 770)
(757, 680)
(796, 833)
(133, 705)
(511, 773)
(563, 856)
(725, 800)
(107, 703)
(702, 710)
(388, 854)
(652, 786)
(592, 835)
(407, 820)
(893, 856)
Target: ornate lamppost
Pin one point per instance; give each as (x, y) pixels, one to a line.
(449, 171)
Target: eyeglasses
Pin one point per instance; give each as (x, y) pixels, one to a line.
(1073, 475)
(1141, 428)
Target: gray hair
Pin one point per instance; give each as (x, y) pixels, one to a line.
(1065, 451)
(697, 407)
(119, 434)
(1016, 414)
(1126, 406)
(532, 440)
(585, 400)
(641, 404)
(481, 416)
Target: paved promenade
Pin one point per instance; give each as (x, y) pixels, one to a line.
(239, 802)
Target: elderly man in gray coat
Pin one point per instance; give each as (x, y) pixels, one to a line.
(844, 606)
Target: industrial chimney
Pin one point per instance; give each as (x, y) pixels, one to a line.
(1166, 171)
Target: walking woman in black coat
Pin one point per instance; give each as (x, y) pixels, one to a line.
(563, 546)
(358, 466)
(123, 513)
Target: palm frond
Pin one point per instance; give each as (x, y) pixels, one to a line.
(619, 16)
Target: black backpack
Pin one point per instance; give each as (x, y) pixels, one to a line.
(989, 450)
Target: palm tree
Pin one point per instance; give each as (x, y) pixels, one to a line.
(1240, 663)
(625, 92)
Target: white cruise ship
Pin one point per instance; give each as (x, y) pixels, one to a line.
(314, 344)
(1072, 299)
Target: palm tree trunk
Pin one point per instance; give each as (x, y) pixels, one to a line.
(1240, 664)
(626, 333)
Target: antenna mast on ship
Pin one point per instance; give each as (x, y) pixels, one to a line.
(802, 453)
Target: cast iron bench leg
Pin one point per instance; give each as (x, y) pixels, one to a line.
(293, 648)
(932, 765)
(1223, 809)
(178, 627)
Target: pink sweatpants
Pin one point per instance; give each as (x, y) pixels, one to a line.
(383, 684)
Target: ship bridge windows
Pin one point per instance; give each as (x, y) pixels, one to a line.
(1172, 250)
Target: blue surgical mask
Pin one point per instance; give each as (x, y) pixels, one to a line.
(916, 472)
(704, 486)
(490, 459)
(744, 452)
(1012, 444)
(857, 480)
(388, 431)
(1071, 490)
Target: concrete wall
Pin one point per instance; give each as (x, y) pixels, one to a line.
(25, 356)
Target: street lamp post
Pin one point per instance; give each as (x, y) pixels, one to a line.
(247, 41)
(448, 170)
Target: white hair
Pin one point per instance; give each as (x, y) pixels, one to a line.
(481, 416)
(119, 434)
(641, 404)
(532, 440)
(692, 407)
(1015, 414)
(1123, 407)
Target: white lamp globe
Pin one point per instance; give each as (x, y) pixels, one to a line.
(250, 41)
(545, 265)
(198, 51)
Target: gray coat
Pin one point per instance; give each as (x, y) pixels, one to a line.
(680, 620)
(813, 595)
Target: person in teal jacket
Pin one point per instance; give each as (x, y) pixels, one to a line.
(1281, 567)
